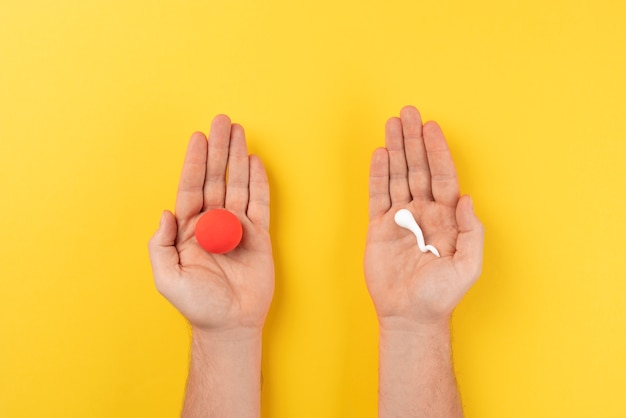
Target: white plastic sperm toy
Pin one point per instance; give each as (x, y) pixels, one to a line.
(404, 219)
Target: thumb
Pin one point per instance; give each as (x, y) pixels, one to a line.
(468, 258)
(163, 253)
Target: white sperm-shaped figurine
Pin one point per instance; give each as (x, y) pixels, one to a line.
(404, 219)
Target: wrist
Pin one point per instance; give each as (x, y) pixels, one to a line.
(224, 373)
(227, 346)
(224, 345)
(396, 325)
(241, 335)
(416, 376)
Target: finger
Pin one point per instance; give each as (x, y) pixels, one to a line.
(398, 181)
(417, 161)
(189, 198)
(238, 171)
(443, 179)
(214, 185)
(380, 200)
(468, 259)
(259, 205)
(163, 253)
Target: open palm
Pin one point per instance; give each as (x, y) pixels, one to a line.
(217, 291)
(416, 172)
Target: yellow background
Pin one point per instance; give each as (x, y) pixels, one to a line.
(98, 99)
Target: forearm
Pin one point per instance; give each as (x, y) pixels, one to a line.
(224, 375)
(416, 376)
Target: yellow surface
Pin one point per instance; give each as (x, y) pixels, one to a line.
(98, 99)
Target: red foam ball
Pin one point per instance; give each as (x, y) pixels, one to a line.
(218, 231)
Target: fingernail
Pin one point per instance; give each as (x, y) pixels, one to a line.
(162, 218)
(471, 203)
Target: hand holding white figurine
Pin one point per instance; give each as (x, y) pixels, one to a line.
(415, 292)
(416, 172)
